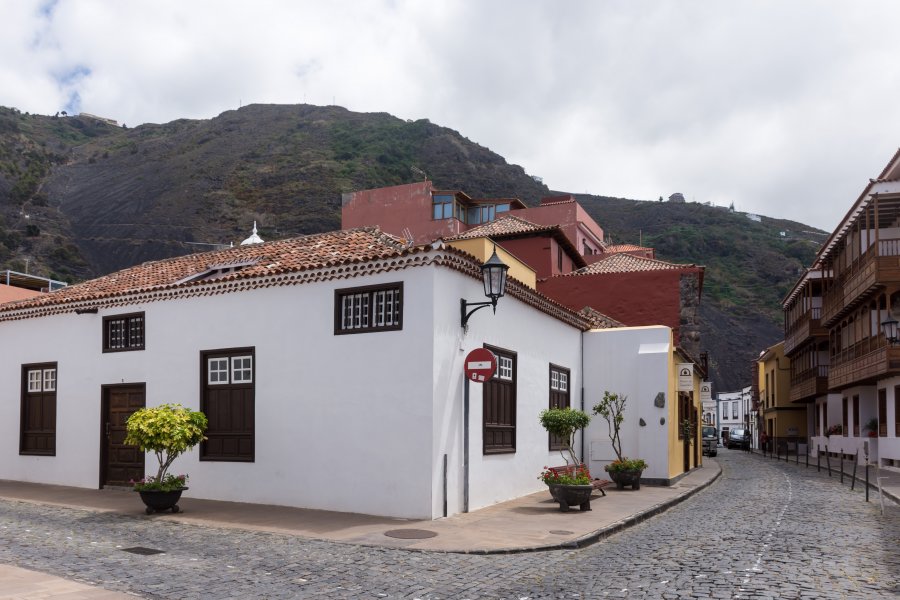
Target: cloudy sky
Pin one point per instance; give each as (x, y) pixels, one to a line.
(784, 108)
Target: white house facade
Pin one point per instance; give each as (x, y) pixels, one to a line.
(328, 358)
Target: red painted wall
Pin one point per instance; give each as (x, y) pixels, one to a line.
(641, 298)
(541, 254)
(396, 210)
(570, 216)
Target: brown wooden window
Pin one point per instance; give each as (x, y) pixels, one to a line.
(37, 433)
(684, 411)
(370, 308)
(882, 410)
(229, 400)
(123, 332)
(499, 405)
(844, 413)
(559, 398)
(896, 414)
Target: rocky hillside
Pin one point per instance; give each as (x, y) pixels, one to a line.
(79, 198)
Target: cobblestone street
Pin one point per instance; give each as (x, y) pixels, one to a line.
(763, 530)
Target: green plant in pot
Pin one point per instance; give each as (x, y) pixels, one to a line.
(570, 485)
(623, 471)
(168, 430)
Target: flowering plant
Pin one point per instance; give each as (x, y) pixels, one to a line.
(626, 464)
(872, 427)
(835, 430)
(169, 483)
(553, 475)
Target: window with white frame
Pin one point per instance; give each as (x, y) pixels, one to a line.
(559, 398)
(505, 368)
(371, 308)
(228, 370)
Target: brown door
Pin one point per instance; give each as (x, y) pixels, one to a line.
(119, 463)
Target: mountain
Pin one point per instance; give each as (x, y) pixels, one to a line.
(80, 197)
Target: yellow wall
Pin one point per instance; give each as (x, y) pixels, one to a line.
(779, 413)
(482, 248)
(676, 446)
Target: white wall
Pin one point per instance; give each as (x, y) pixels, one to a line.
(329, 408)
(377, 410)
(634, 361)
(538, 340)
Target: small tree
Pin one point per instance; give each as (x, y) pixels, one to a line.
(563, 423)
(612, 408)
(167, 430)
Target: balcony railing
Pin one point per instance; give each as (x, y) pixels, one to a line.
(856, 365)
(807, 326)
(876, 265)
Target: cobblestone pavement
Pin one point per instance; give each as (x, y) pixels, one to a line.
(764, 530)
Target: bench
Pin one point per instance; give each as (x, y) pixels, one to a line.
(598, 484)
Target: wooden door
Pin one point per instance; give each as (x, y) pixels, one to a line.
(120, 463)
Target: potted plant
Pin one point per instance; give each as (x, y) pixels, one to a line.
(623, 471)
(570, 485)
(168, 431)
(835, 430)
(872, 427)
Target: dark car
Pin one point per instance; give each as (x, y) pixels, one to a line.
(710, 440)
(738, 438)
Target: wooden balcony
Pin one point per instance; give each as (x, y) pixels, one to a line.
(810, 384)
(867, 272)
(855, 366)
(808, 326)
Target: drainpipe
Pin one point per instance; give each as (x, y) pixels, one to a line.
(466, 446)
(582, 395)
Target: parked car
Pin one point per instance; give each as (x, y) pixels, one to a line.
(710, 441)
(738, 438)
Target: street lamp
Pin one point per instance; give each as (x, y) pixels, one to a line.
(889, 327)
(493, 272)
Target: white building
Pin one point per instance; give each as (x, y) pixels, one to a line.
(734, 412)
(319, 360)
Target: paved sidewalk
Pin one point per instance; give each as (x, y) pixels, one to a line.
(526, 524)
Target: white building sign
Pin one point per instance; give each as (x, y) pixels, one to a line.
(685, 377)
(706, 391)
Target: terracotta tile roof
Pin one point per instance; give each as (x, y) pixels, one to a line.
(506, 225)
(598, 320)
(628, 263)
(246, 262)
(320, 257)
(510, 226)
(9, 293)
(625, 248)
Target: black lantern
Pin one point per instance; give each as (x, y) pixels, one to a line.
(493, 272)
(889, 328)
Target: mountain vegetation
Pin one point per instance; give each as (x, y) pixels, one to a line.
(80, 198)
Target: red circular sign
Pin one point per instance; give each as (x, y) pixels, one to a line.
(480, 365)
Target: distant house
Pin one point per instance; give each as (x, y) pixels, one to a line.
(756, 218)
(677, 197)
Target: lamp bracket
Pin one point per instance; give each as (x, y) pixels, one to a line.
(463, 305)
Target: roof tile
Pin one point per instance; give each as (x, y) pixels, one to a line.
(628, 263)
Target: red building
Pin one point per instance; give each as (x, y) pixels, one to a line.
(636, 291)
(558, 239)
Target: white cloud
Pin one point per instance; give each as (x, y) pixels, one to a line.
(784, 108)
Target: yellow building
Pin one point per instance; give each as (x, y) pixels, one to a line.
(782, 421)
